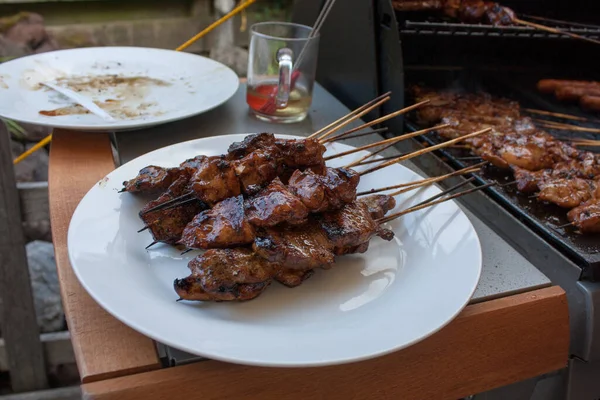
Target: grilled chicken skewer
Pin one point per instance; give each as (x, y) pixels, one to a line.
(288, 255)
(242, 274)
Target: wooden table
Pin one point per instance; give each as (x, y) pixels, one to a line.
(499, 340)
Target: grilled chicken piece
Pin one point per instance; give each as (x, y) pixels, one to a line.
(214, 180)
(567, 193)
(352, 226)
(378, 204)
(226, 275)
(167, 225)
(301, 248)
(274, 205)
(191, 165)
(151, 180)
(251, 143)
(586, 216)
(300, 153)
(293, 277)
(256, 170)
(321, 193)
(222, 226)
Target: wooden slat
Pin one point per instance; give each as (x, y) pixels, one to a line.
(488, 345)
(104, 347)
(17, 313)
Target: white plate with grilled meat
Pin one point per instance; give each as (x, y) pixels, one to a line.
(138, 87)
(394, 295)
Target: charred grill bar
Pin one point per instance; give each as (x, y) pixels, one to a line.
(385, 49)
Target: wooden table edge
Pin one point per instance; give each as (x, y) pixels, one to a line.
(490, 344)
(103, 346)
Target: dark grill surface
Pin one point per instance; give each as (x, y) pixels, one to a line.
(546, 219)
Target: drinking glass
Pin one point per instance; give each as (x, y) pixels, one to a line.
(281, 71)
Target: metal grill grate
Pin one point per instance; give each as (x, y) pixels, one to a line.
(481, 30)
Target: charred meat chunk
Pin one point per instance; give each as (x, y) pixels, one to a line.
(293, 277)
(321, 193)
(300, 153)
(256, 170)
(378, 204)
(226, 275)
(151, 180)
(274, 205)
(302, 247)
(352, 226)
(251, 143)
(167, 225)
(222, 226)
(214, 180)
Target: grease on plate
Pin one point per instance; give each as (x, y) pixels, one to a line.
(3, 84)
(116, 108)
(125, 94)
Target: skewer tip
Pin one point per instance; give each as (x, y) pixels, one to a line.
(151, 244)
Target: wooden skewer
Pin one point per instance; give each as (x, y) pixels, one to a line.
(343, 136)
(361, 161)
(432, 203)
(374, 160)
(389, 116)
(565, 225)
(554, 30)
(431, 181)
(151, 244)
(143, 229)
(557, 115)
(445, 192)
(428, 183)
(386, 141)
(596, 144)
(168, 203)
(559, 21)
(359, 109)
(353, 118)
(566, 127)
(425, 150)
(417, 183)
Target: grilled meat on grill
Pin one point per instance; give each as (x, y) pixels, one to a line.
(586, 216)
(226, 275)
(469, 11)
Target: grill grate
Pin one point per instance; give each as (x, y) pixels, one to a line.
(442, 28)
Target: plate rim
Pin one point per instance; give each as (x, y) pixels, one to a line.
(119, 127)
(261, 363)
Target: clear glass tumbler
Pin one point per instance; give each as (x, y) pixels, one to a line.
(281, 71)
